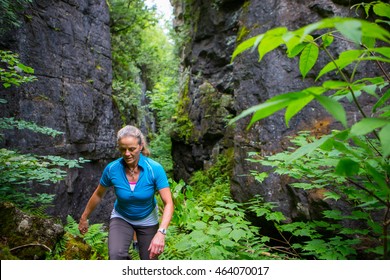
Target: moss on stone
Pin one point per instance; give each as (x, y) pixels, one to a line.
(184, 126)
(76, 248)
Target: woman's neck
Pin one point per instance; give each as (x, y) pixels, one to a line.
(132, 166)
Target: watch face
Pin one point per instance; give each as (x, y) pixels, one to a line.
(162, 230)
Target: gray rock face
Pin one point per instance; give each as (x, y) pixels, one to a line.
(220, 26)
(68, 45)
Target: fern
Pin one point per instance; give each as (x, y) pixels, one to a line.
(96, 237)
(72, 226)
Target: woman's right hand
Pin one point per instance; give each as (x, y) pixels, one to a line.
(83, 226)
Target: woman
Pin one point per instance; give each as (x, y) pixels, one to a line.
(135, 179)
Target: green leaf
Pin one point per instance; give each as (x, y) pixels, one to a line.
(381, 101)
(274, 104)
(327, 40)
(307, 149)
(334, 108)
(384, 136)
(382, 9)
(333, 214)
(276, 216)
(216, 253)
(247, 44)
(270, 107)
(367, 125)
(25, 68)
(316, 245)
(272, 40)
(237, 234)
(293, 43)
(347, 167)
(308, 58)
(351, 29)
(224, 232)
(373, 30)
(199, 225)
(379, 177)
(295, 106)
(227, 243)
(334, 85)
(332, 195)
(345, 58)
(383, 51)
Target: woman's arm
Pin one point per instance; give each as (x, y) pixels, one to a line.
(157, 245)
(94, 201)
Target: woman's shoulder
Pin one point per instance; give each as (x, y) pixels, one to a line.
(151, 162)
(114, 164)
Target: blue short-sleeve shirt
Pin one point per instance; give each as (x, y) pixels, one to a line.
(140, 202)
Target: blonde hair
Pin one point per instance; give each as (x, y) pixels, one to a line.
(132, 131)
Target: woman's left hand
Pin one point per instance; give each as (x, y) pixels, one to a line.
(157, 245)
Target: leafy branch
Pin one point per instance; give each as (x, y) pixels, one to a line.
(352, 163)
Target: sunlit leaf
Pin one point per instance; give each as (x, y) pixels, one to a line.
(266, 109)
(367, 125)
(381, 101)
(247, 44)
(237, 234)
(272, 40)
(308, 58)
(375, 31)
(327, 40)
(293, 44)
(346, 58)
(275, 104)
(351, 29)
(295, 106)
(384, 136)
(333, 214)
(332, 195)
(383, 51)
(335, 84)
(307, 149)
(382, 9)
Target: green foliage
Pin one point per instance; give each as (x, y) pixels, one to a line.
(142, 56)
(11, 123)
(18, 171)
(213, 184)
(220, 232)
(163, 97)
(353, 164)
(183, 127)
(14, 72)
(145, 72)
(208, 224)
(357, 182)
(95, 238)
(11, 14)
(128, 22)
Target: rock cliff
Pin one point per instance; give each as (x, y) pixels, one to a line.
(68, 44)
(215, 88)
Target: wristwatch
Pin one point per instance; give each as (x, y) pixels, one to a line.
(162, 230)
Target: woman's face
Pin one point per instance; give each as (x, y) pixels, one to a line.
(130, 149)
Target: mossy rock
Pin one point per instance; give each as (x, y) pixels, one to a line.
(28, 237)
(76, 248)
